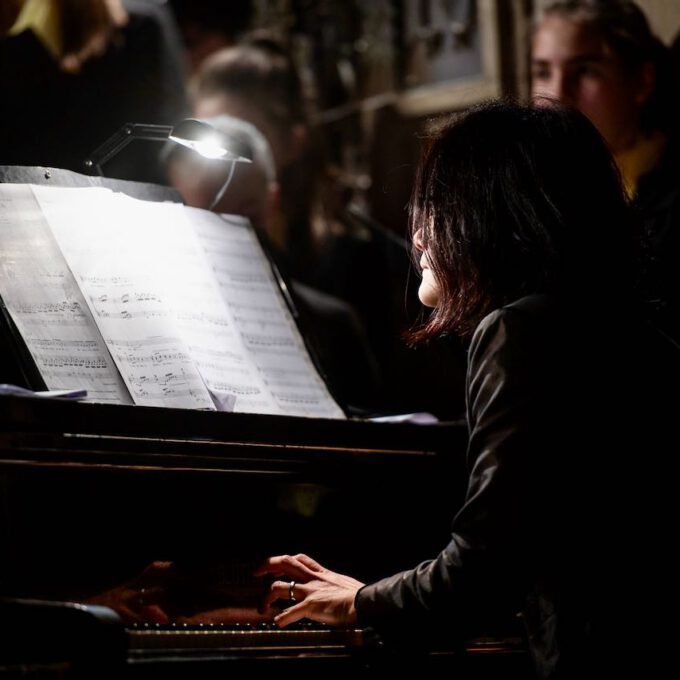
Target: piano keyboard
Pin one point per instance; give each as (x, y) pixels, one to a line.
(150, 638)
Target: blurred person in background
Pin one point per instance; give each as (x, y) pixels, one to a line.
(258, 82)
(319, 240)
(207, 26)
(336, 335)
(601, 57)
(73, 72)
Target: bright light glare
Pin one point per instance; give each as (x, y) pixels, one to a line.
(208, 147)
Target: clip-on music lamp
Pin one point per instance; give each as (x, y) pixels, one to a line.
(194, 134)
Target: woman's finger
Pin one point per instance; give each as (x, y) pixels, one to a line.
(282, 590)
(153, 613)
(291, 614)
(309, 562)
(285, 565)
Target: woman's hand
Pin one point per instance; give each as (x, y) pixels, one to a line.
(140, 599)
(318, 593)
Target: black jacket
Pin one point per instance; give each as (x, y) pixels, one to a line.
(658, 203)
(564, 412)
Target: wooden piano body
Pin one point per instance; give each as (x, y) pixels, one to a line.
(90, 494)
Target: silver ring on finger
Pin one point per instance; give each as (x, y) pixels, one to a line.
(291, 591)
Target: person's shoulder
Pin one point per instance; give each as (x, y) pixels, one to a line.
(525, 333)
(661, 185)
(531, 305)
(524, 313)
(516, 355)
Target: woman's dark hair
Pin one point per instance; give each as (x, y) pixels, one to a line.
(625, 29)
(513, 201)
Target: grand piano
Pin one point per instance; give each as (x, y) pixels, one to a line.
(91, 494)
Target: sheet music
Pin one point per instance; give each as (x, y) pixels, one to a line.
(248, 288)
(129, 305)
(185, 301)
(47, 306)
(202, 319)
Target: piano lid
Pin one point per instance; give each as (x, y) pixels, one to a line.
(59, 431)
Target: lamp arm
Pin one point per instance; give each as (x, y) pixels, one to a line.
(122, 138)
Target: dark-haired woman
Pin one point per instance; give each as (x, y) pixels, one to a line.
(528, 251)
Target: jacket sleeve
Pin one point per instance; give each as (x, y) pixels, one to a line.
(485, 562)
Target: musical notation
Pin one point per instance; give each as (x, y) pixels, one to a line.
(154, 359)
(57, 344)
(71, 361)
(269, 340)
(177, 306)
(260, 324)
(264, 352)
(62, 307)
(47, 305)
(160, 387)
(243, 277)
(255, 310)
(203, 318)
(239, 390)
(59, 322)
(233, 357)
(260, 315)
(298, 399)
(105, 281)
(244, 371)
(125, 314)
(236, 289)
(135, 296)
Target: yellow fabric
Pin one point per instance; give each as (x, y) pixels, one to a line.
(639, 159)
(41, 17)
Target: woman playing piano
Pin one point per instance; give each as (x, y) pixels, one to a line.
(527, 250)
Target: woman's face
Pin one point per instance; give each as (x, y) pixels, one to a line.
(571, 63)
(429, 291)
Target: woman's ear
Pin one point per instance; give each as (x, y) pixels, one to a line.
(418, 239)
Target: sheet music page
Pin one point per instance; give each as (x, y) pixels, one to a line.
(187, 304)
(249, 289)
(108, 247)
(47, 306)
(202, 319)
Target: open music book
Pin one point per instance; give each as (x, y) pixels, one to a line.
(151, 303)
